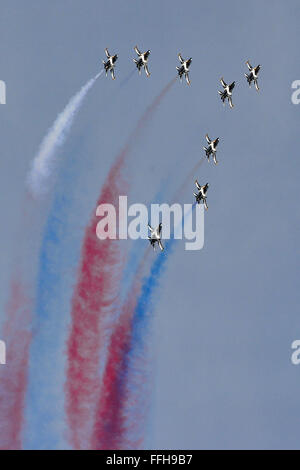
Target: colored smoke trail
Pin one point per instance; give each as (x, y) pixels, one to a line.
(16, 331)
(92, 305)
(44, 162)
(13, 376)
(113, 427)
(58, 257)
(108, 426)
(129, 409)
(144, 119)
(135, 389)
(111, 423)
(123, 410)
(94, 299)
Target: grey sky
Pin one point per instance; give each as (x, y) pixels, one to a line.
(227, 315)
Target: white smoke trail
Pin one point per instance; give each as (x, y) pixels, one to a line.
(44, 162)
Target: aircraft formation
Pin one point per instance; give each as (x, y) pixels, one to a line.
(211, 150)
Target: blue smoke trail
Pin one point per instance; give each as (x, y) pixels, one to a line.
(135, 374)
(150, 283)
(59, 255)
(137, 252)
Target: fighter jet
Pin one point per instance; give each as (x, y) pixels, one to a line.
(201, 196)
(253, 75)
(142, 60)
(212, 148)
(155, 236)
(109, 64)
(227, 92)
(184, 68)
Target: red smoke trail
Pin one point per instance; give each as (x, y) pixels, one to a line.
(94, 297)
(13, 375)
(108, 427)
(93, 302)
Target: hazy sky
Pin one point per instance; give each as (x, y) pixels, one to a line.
(226, 315)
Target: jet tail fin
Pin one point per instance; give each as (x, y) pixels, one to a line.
(160, 245)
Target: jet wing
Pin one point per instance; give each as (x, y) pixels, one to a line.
(207, 139)
(137, 51)
(197, 185)
(248, 65)
(224, 84)
(180, 58)
(107, 53)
